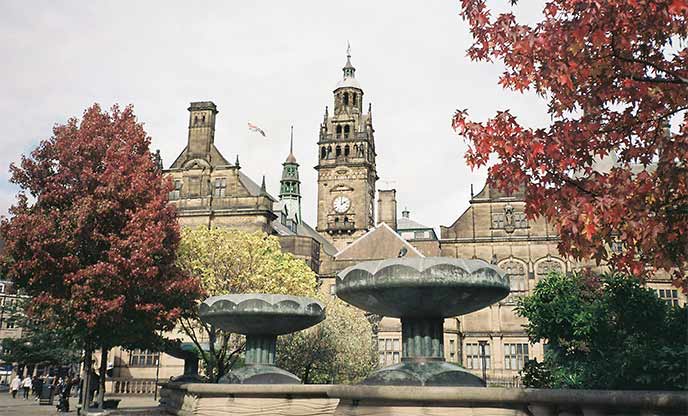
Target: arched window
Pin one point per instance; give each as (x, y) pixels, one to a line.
(346, 98)
(195, 120)
(346, 150)
(323, 152)
(346, 131)
(346, 220)
(339, 131)
(516, 271)
(356, 150)
(329, 151)
(203, 119)
(354, 99)
(338, 151)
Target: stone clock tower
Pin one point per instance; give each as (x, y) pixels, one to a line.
(346, 167)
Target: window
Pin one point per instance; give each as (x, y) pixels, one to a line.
(346, 98)
(338, 151)
(520, 220)
(346, 150)
(419, 234)
(177, 191)
(515, 356)
(323, 153)
(195, 120)
(339, 131)
(220, 186)
(452, 350)
(546, 267)
(354, 99)
(10, 324)
(670, 296)
(143, 358)
(474, 358)
(516, 272)
(389, 350)
(346, 131)
(2, 288)
(497, 220)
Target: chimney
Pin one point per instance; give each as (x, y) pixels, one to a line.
(387, 207)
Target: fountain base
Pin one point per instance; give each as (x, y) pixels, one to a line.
(259, 374)
(424, 373)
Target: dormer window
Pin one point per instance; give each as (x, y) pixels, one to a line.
(177, 191)
(220, 187)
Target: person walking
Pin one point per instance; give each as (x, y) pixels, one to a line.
(36, 385)
(14, 386)
(26, 386)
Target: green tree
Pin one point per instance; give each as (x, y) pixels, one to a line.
(605, 332)
(39, 343)
(233, 261)
(338, 350)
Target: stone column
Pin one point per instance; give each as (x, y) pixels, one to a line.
(422, 338)
(260, 349)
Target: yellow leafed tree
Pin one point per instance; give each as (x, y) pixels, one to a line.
(338, 350)
(233, 261)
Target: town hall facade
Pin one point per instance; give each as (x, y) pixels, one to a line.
(356, 222)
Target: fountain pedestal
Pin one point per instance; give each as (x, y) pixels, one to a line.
(261, 317)
(422, 292)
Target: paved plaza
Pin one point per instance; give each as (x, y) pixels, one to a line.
(12, 407)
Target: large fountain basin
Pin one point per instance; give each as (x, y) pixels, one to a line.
(422, 287)
(263, 314)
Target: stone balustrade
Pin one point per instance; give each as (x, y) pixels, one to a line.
(343, 400)
(129, 386)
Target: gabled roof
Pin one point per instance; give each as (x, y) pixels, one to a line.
(216, 158)
(404, 223)
(379, 243)
(252, 187)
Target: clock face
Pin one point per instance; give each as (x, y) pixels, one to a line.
(341, 204)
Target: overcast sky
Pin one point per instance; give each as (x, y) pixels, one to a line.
(271, 62)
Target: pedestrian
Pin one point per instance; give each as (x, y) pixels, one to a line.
(36, 385)
(14, 386)
(26, 386)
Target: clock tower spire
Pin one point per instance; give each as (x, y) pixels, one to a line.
(346, 164)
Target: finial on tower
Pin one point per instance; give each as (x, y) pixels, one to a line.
(263, 190)
(348, 68)
(291, 158)
(237, 161)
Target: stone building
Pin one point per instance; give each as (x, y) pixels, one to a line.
(210, 191)
(346, 165)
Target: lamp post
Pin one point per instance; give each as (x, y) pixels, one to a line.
(484, 359)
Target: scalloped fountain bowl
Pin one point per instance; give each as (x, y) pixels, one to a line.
(261, 317)
(422, 292)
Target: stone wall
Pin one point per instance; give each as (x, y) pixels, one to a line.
(342, 400)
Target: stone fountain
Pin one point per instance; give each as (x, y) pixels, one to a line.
(261, 317)
(422, 292)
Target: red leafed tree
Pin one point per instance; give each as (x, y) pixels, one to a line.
(614, 75)
(92, 238)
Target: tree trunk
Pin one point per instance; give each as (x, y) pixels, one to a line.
(101, 382)
(85, 380)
